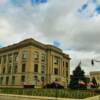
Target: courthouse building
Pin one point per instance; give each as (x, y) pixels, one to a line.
(30, 62)
(96, 75)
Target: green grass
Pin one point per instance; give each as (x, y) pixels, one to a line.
(64, 93)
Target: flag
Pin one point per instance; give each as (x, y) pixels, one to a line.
(90, 84)
(81, 82)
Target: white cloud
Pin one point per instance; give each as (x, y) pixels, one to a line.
(55, 20)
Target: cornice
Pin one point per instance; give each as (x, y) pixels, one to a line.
(32, 42)
(95, 72)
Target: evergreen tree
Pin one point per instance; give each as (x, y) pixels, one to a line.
(78, 75)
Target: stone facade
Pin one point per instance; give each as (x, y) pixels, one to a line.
(96, 75)
(30, 62)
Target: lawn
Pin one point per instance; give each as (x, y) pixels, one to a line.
(64, 93)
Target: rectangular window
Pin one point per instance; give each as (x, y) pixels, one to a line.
(43, 69)
(7, 80)
(4, 59)
(15, 69)
(13, 80)
(63, 63)
(35, 68)
(43, 56)
(66, 64)
(56, 60)
(9, 69)
(35, 78)
(67, 73)
(56, 71)
(25, 55)
(1, 80)
(23, 67)
(42, 78)
(36, 55)
(15, 58)
(22, 78)
(3, 70)
(10, 58)
(0, 59)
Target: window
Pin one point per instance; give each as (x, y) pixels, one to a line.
(55, 71)
(4, 59)
(24, 55)
(0, 59)
(10, 58)
(43, 57)
(1, 80)
(22, 78)
(63, 63)
(43, 69)
(36, 55)
(67, 73)
(42, 78)
(15, 57)
(13, 80)
(35, 78)
(3, 70)
(56, 60)
(7, 80)
(15, 69)
(66, 64)
(9, 69)
(23, 67)
(36, 68)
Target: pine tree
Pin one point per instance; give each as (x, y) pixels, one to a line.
(78, 74)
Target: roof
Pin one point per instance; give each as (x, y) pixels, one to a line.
(30, 42)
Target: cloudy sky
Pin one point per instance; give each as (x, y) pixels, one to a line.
(73, 25)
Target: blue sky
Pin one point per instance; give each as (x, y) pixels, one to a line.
(72, 25)
(56, 43)
(90, 8)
